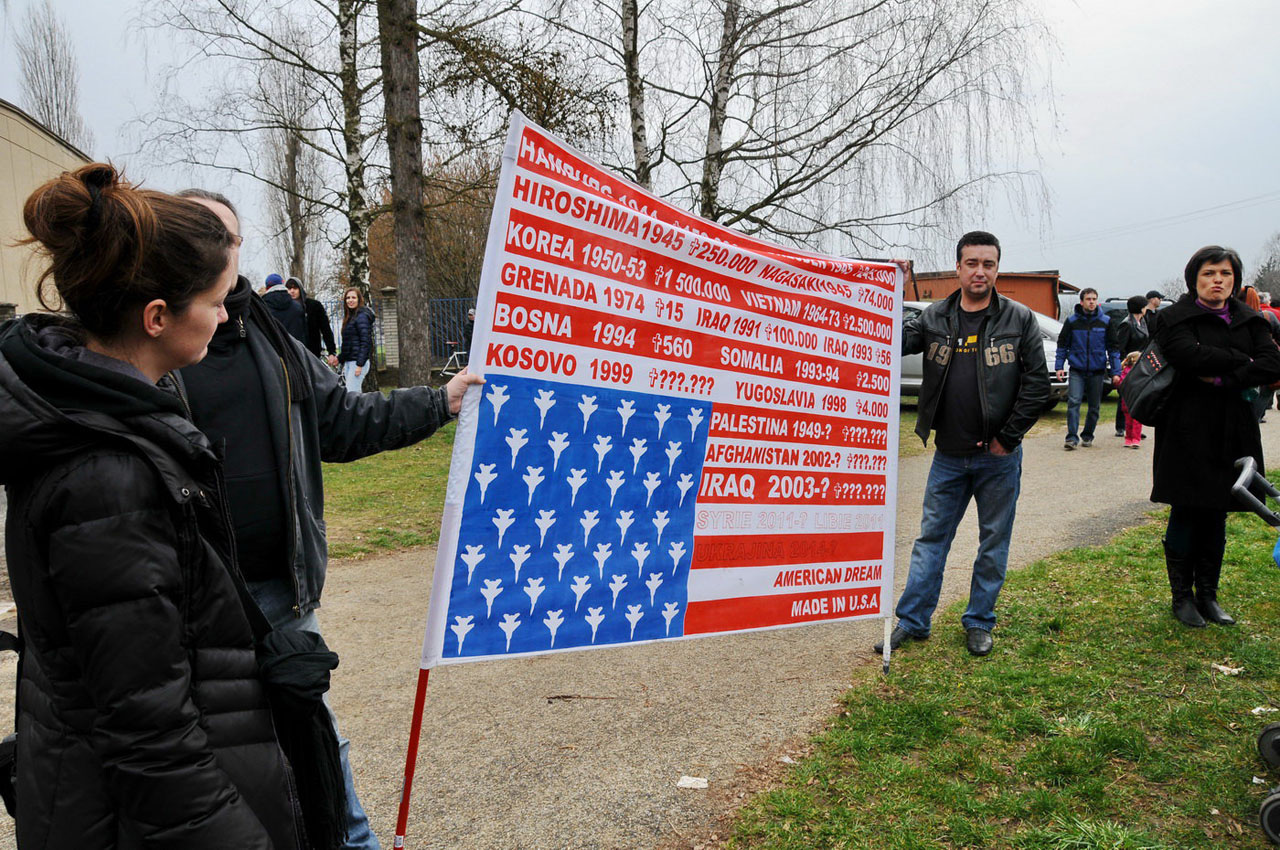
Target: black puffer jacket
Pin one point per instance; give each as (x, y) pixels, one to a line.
(1013, 380)
(142, 721)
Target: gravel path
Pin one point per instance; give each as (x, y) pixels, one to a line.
(583, 750)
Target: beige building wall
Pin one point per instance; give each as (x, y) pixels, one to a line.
(30, 154)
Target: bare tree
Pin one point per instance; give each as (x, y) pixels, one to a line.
(630, 20)
(288, 100)
(840, 124)
(476, 70)
(293, 80)
(1266, 277)
(1172, 288)
(398, 39)
(50, 74)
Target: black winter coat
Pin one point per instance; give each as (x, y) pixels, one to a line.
(318, 328)
(141, 718)
(1131, 336)
(288, 312)
(1207, 427)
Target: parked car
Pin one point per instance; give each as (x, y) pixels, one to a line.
(913, 364)
(1116, 308)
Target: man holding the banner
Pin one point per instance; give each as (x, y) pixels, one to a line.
(985, 384)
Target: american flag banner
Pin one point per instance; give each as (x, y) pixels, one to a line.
(683, 431)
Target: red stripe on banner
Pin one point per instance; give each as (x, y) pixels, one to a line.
(531, 317)
(567, 168)
(761, 550)
(728, 486)
(571, 247)
(756, 423)
(757, 612)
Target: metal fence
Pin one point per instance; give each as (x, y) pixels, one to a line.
(446, 327)
(447, 320)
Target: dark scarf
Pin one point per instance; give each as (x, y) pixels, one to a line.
(244, 305)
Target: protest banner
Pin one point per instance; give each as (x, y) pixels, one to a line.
(684, 430)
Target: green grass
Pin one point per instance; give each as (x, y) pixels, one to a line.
(389, 501)
(1097, 722)
(908, 443)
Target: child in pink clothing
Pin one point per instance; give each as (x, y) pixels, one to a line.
(1132, 427)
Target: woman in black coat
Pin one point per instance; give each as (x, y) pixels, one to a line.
(142, 719)
(1221, 351)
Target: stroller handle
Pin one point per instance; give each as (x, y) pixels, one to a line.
(1248, 477)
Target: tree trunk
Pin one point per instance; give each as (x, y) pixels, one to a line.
(635, 90)
(398, 34)
(357, 209)
(713, 164)
(293, 209)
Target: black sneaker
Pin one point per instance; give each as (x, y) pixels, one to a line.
(1086, 444)
(897, 638)
(1069, 445)
(978, 641)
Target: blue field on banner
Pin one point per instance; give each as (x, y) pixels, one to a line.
(577, 526)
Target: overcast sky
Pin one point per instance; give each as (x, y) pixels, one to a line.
(1166, 138)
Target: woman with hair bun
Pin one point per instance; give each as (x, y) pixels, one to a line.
(1221, 351)
(142, 715)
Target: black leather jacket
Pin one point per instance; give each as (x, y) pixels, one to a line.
(1013, 378)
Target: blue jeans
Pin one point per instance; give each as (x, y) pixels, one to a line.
(349, 376)
(993, 481)
(276, 599)
(1080, 385)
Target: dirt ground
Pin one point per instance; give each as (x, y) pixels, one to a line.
(584, 750)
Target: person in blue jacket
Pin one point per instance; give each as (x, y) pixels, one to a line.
(357, 340)
(1088, 344)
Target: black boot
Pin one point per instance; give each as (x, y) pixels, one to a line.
(1180, 584)
(1207, 572)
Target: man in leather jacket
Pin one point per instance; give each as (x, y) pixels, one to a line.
(985, 384)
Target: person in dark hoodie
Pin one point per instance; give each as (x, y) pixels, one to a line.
(288, 312)
(280, 412)
(143, 719)
(318, 326)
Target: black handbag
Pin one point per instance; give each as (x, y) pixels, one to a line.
(1147, 388)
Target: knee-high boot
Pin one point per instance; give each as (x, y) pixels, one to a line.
(1207, 572)
(1180, 584)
